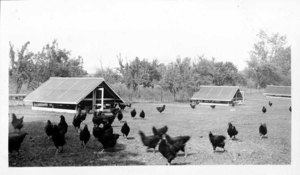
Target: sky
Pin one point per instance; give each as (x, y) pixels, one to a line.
(163, 30)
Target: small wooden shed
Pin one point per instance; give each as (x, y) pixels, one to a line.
(218, 95)
(278, 91)
(66, 94)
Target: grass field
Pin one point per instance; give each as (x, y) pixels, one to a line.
(37, 150)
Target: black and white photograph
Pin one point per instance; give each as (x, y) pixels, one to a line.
(150, 84)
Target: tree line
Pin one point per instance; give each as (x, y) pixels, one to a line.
(269, 63)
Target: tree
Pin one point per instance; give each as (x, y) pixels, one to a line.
(21, 69)
(55, 62)
(171, 79)
(110, 75)
(35, 68)
(203, 72)
(270, 61)
(139, 72)
(225, 74)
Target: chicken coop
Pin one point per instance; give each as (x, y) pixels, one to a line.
(218, 95)
(278, 91)
(66, 94)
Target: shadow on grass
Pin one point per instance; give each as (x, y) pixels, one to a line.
(181, 163)
(188, 154)
(130, 138)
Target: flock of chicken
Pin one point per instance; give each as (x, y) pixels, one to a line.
(103, 132)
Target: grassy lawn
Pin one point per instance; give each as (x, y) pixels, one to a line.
(37, 150)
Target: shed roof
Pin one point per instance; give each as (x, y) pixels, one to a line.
(65, 90)
(216, 93)
(278, 90)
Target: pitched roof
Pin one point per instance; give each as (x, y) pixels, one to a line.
(278, 90)
(217, 93)
(64, 90)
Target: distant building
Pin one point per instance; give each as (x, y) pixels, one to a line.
(66, 94)
(218, 95)
(278, 91)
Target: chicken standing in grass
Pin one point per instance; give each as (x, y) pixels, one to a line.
(161, 109)
(263, 130)
(97, 131)
(106, 136)
(290, 108)
(84, 136)
(17, 123)
(119, 116)
(270, 103)
(97, 118)
(213, 106)
(142, 114)
(125, 129)
(182, 139)
(133, 113)
(232, 132)
(62, 125)
(168, 150)
(264, 109)
(58, 138)
(78, 118)
(15, 141)
(122, 106)
(49, 129)
(149, 141)
(217, 141)
(192, 105)
(159, 132)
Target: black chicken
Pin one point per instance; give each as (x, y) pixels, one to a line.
(62, 125)
(217, 141)
(119, 116)
(105, 136)
(290, 108)
(149, 141)
(15, 141)
(78, 118)
(17, 123)
(49, 129)
(270, 103)
(263, 130)
(159, 132)
(192, 105)
(142, 114)
(264, 109)
(84, 136)
(169, 151)
(161, 109)
(232, 132)
(182, 139)
(213, 106)
(114, 111)
(58, 138)
(107, 128)
(108, 140)
(122, 106)
(97, 118)
(97, 131)
(125, 129)
(133, 113)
